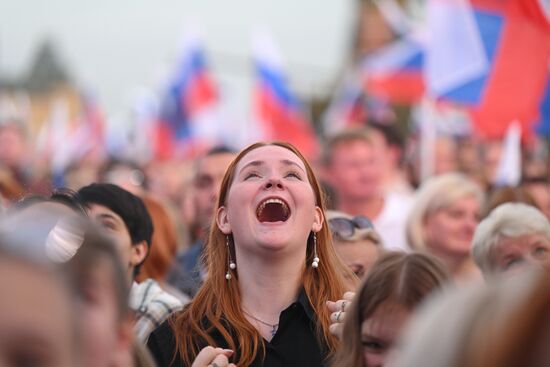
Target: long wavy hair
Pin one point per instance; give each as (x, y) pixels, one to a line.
(402, 278)
(217, 305)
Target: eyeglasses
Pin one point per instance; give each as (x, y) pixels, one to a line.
(345, 228)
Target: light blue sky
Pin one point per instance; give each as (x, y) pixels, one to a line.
(119, 47)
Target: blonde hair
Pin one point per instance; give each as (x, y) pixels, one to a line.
(435, 194)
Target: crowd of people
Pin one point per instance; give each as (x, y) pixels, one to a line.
(260, 257)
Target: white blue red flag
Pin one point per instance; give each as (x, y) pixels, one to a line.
(276, 110)
(189, 120)
(395, 72)
(496, 60)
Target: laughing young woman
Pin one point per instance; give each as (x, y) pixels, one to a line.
(271, 269)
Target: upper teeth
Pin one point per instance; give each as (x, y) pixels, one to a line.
(270, 201)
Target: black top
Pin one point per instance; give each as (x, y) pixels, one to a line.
(294, 344)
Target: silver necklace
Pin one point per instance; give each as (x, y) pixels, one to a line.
(272, 326)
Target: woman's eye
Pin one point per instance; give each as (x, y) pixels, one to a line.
(108, 225)
(293, 175)
(251, 175)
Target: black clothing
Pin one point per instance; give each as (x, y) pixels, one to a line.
(294, 344)
(185, 274)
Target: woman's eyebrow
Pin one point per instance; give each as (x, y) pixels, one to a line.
(288, 162)
(252, 164)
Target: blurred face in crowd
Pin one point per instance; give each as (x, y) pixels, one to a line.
(105, 337)
(357, 255)
(210, 172)
(354, 171)
(130, 254)
(449, 230)
(445, 155)
(166, 179)
(380, 332)
(387, 154)
(512, 254)
(36, 323)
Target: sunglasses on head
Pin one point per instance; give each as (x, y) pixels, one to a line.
(345, 228)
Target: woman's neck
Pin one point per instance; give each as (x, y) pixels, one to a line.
(268, 287)
(454, 262)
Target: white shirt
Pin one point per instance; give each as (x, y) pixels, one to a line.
(392, 221)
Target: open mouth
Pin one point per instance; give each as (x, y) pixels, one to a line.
(273, 210)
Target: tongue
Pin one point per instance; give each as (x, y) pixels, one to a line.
(273, 212)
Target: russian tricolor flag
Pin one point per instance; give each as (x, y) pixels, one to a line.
(189, 118)
(276, 110)
(348, 107)
(497, 54)
(394, 73)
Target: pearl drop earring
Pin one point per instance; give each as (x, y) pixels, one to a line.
(315, 263)
(230, 262)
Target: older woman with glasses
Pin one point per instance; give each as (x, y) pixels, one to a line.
(355, 241)
(513, 237)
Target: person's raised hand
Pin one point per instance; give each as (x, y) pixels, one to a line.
(338, 309)
(213, 357)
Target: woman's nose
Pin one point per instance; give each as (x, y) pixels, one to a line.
(274, 182)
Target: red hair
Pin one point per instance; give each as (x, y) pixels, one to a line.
(218, 302)
(164, 242)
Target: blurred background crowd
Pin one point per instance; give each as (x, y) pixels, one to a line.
(447, 86)
(421, 118)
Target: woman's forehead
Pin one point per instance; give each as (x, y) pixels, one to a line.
(268, 155)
